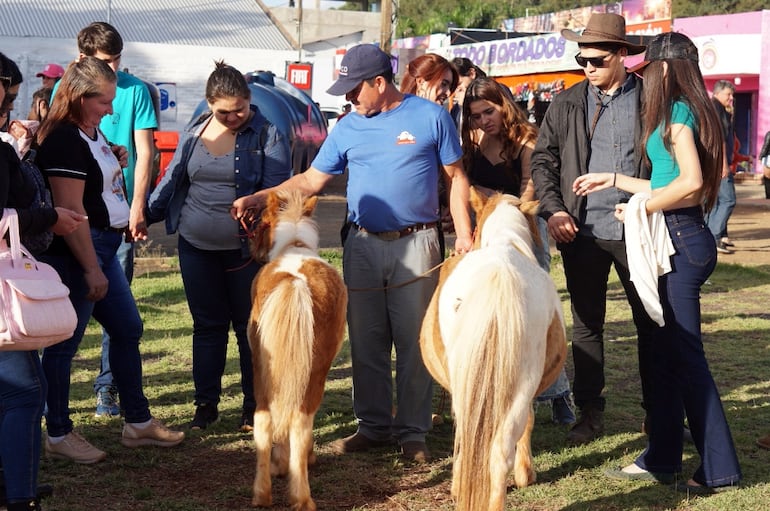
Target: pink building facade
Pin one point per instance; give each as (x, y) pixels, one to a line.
(736, 47)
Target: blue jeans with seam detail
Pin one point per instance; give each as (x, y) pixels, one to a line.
(118, 314)
(217, 284)
(22, 398)
(560, 387)
(725, 204)
(680, 380)
(126, 260)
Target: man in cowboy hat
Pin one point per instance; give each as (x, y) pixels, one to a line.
(593, 126)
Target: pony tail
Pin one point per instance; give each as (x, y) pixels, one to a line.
(480, 380)
(287, 335)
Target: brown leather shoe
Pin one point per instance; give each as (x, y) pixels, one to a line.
(357, 442)
(589, 427)
(764, 442)
(415, 451)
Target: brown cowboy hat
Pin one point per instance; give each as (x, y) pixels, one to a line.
(604, 28)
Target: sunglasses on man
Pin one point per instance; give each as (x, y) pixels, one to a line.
(594, 61)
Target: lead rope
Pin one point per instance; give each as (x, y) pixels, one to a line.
(401, 284)
(251, 233)
(410, 281)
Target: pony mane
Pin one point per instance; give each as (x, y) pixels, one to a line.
(506, 220)
(286, 222)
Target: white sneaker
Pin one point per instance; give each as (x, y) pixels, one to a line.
(74, 448)
(154, 434)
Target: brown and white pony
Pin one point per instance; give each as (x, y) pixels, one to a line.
(493, 336)
(295, 330)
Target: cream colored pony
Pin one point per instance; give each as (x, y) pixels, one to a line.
(493, 336)
(296, 329)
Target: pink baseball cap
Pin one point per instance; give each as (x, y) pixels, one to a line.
(51, 71)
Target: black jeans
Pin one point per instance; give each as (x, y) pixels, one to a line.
(587, 264)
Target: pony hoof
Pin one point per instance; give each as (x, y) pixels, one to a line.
(262, 501)
(524, 480)
(308, 505)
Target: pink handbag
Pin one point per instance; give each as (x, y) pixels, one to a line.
(36, 309)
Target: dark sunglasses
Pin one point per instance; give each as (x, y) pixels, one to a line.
(594, 61)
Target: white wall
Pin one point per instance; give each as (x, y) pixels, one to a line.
(187, 66)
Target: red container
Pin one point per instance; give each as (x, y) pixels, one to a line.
(166, 142)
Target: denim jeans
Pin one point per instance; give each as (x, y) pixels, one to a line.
(720, 213)
(587, 263)
(379, 320)
(117, 313)
(22, 398)
(680, 380)
(126, 260)
(559, 388)
(218, 288)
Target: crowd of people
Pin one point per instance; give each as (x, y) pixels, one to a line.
(622, 142)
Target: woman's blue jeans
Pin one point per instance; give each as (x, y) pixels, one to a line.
(22, 398)
(117, 313)
(681, 381)
(218, 288)
(560, 387)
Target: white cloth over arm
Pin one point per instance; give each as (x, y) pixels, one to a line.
(649, 250)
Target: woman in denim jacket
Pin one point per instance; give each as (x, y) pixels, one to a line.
(228, 152)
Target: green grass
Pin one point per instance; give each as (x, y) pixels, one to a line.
(213, 469)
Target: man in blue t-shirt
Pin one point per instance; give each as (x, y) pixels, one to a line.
(130, 125)
(396, 146)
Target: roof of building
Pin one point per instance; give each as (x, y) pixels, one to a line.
(223, 23)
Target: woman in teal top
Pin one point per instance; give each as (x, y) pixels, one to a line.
(684, 145)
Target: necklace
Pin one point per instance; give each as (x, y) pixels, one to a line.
(600, 106)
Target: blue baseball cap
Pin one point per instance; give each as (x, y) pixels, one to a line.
(362, 62)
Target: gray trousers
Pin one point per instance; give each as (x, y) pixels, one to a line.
(380, 319)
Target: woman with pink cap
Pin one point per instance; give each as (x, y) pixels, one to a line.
(51, 74)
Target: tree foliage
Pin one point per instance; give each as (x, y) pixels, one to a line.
(423, 17)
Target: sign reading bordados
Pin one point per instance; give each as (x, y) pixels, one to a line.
(300, 75)
(509, 57)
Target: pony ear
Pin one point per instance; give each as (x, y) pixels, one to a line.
(529, 207)
(477, 200)
(273, 202)
(309, 205)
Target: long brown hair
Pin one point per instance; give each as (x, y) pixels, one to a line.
(516, 130)
(83, 79)
(430, 67)
(683, 82)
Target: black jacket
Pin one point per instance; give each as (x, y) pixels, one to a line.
(17, 194)
(562, 151)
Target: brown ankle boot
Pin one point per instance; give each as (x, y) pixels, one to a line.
(589, 427)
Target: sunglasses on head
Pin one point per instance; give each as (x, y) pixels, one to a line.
(594, 61)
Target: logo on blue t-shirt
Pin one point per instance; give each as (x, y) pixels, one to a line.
(405, 138)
